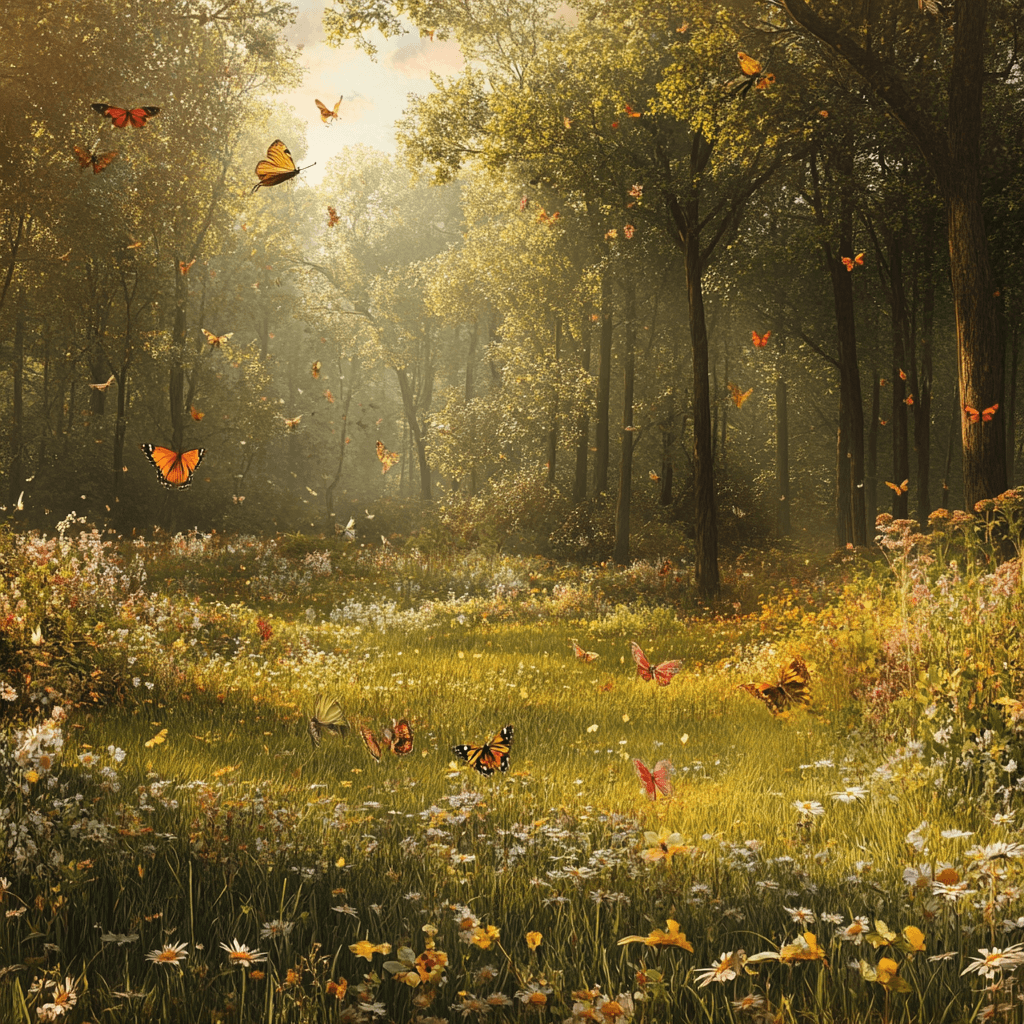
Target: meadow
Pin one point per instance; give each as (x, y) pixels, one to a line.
(176, 849)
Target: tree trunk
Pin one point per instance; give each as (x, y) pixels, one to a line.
(622, 507)
(552, 438)
(900, 436)
(346, 403)
(604, 386)
(844, 531)
(16, 470)
(871, 477)
(579, 486)
(957, 416)
(419, 437)
(783, 524)
(923, 407)
(474, 335)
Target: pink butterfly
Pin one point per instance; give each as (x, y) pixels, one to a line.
(663, 673)
(654, 781)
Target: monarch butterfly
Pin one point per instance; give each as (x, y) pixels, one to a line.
(332, 216)
(175, 469)
(97, 160)
(985, 415)
(103, 387)
(327, 717)
(898, 488)
(656, 781)
(279, 166)
(488, 756)
(663, 673)
(793, 687)
(760, 340)
(372, 745)
(587, 656)
(401, 738)
(137, 117)
(739, 397)
(326, 114)
(215, 339)
(388, 459)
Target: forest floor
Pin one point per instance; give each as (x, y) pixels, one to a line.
(177, 849)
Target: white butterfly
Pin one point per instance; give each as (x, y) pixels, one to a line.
(348, 533)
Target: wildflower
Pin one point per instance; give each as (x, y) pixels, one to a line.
(996, 852)
(832, 918)
(914, 939)
(854, 932)
(724, 969)
(63, 1000)
(614, 1009)
(471, 1004)
(673, 937)
(995, 961)
(800, 915)
(749, 1002)
(534, 994)
(498, 999)
(485, 937)
(851, 794)
(346, 909)
(533, 939)
(172, 955)
(664, 846)
(337, 989)
(808, 808)
(242, 956)
(803, 947)
(366, 949)
(276, 929)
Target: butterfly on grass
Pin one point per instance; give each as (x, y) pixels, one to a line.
(400, 740)
(121, 118)
(279, 166)
(663, 673)
(793, 688)
(326, 114)
(327, 717)
(985, 415)
(387, 459)
(487, 757)
(175, 469)
(587, 656)
(95, 160)
(160, 737)
(656, 780)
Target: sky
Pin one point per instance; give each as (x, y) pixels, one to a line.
(374, 92)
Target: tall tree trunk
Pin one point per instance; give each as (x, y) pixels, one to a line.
(900, 435)
(844, 532)
(871, 476)
(956, 418)
(16, 469)
(419, 436)
(604, 387)
(783, 523)
(177, 379)
(1011, 405)
(346, 403)
(579, 486)
(552, 438)
(622, 507)
(923, 407)
(667, 469)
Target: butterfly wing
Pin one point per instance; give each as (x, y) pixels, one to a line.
(116, 114)
(314, 732)
(795, 682)
(988, 413)
(402, 742)
(175, 470)
(748, 65)
(84, 157)
(140, 115)
(387, 459)
(666, 670)
(279, 166)
(660, 777)
(643, 666)
(101, 160)
(768, 694)
(486, 757)
(371, 741)
(646, 778)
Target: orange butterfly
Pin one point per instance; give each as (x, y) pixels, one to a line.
(985, 415)
(183, 267)
(279, 166)
(97, 160)
(196, 414)
(121, 118)
(400, 737)
(387, 459)
(882, 422)
(587, 656)
(316, 370)
(739, 397)
(748, 65)
(903, 376)
(292, 424)
(332, 216)
(329, 396)
(653, 475)
(793, 687)
(326, 114)
(899, 488)
(857, 260)
(175, 469)
(630, 112)
(760, 340)
(662, 673)
(215, 339)
(372, 745)
(909, 400)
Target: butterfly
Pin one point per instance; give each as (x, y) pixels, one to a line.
(196, 414)
(739, 397)
(903, 376)
(316, 369)
(327, 717)
(753, 75)
(760, 340)
(292, 424)
(215, 339)
(183, 267)
(630, 112)
(97, 160)
(985, 415)
(175, 469)
(136, 117)
(326, 114)
(654, 475)
(858, 261)
(587, 656)
(488, 756)
(160, 737)
(793, 687)
(400, 737)
(655, 781)
(238, 498)
(279, 166)
(898, 488)
(349, 532)
(663, 673)
(103, 387)
(372, 744)
(387, 459)
(332, 216)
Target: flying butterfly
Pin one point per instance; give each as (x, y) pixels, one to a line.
(103, 387)
(332, 216)
(279, 166)
(175, 469)
(349, 532)
(754, 75)
(387, 459)
(487, 756)
(857, 261)
(401, 738)
(326, 114)
(898, 488)
(739, 397)
(183, 267)
(760, 340)
(316, 370)
(292, 424)
(371, 741)
(216, 339)
(792, 688)
(196, 414)
(663, 673)
(96, 160)
(121, 118)
(656, 780)
(587, 656)
(327, 717)
(985, 415)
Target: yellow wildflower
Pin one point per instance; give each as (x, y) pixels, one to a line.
(366, 949)
(533, 939)
(804, 947)
(673, 937)
(485, 937)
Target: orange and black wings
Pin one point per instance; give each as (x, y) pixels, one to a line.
(121, 118)
(487, 757)
(175, 469)
(279, 166)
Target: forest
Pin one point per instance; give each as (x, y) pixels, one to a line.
(649, 407)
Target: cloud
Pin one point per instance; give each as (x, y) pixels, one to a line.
(420, 58)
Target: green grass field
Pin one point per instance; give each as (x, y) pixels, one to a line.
(175, 849)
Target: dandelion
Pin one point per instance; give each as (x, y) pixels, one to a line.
(995, 961)
(171, 955)
(242, 956)
(724, 969)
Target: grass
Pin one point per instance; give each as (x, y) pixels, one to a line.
(257, 865)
